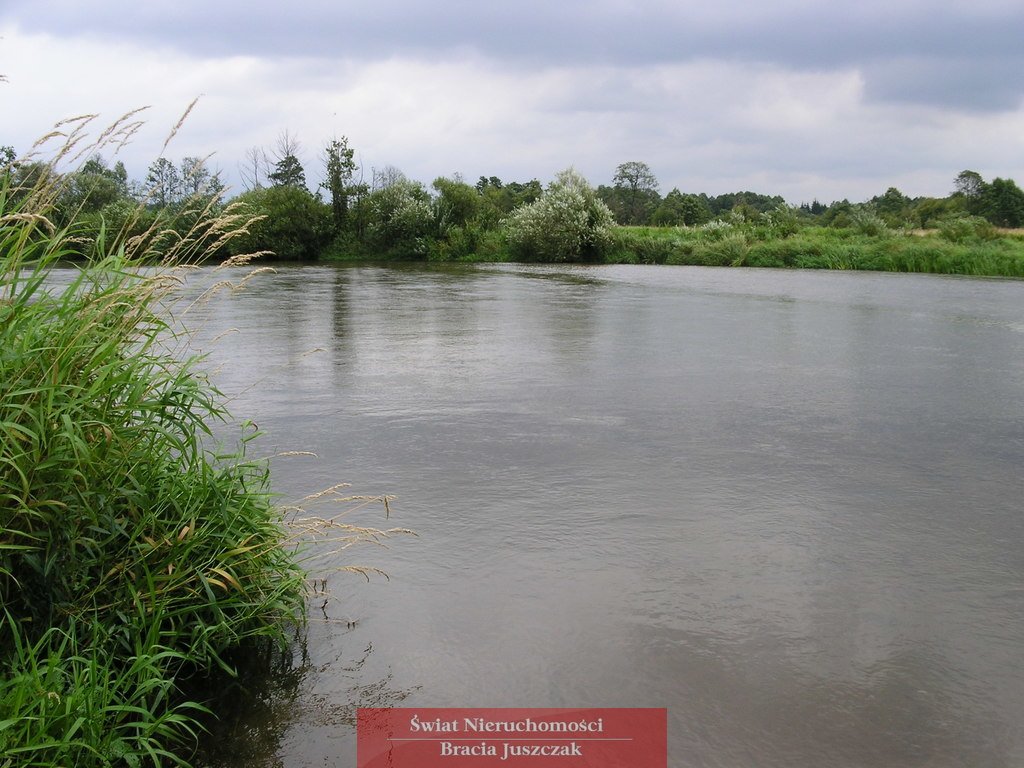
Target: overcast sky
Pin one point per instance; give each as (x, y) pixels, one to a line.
(823, 100)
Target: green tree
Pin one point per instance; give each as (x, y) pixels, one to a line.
(969, 184)
(341, 169)
(91, 187)
(1003, 203)
(636, 192)
(865, 219)
(288, 171)
(28, 178)
(8, 162)
(515, 193)
(163, 183)
(838, 214)
(678, 209)
(484, 182)
(399, 221)
(745, 201)
(964, 228)
(462, 216)
(891, 206)
(500, 199)
(693, 211)
(456, 205)
(294, 224)
(930, 211)
(778, 223)
(568, 222)
(970, 187)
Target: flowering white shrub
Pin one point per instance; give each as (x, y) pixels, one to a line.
(566, 223)
(717, 225)
(715, 230)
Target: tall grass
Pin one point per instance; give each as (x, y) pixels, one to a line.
(967, 250)
(133, 553)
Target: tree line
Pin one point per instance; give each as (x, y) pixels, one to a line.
(634, 198)
(388, 215)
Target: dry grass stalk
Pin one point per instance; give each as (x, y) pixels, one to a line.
(179, 124)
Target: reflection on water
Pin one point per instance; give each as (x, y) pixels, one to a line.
(785, 505)
(255, 709)
(279, 699)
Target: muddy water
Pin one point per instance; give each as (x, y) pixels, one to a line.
(785, 505)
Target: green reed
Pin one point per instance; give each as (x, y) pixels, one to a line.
(133, 553)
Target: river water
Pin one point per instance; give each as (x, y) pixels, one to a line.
(785, 505)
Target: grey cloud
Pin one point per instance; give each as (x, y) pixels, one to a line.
(979, 84)
(963, 54)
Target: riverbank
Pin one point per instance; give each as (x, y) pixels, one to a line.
(965, 252)
(136, 552)
(993, 253)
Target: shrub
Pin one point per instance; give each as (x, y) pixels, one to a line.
(567, 223)
(866, 222)
(399, 221)
(287, 221)
(780, 221)
(715, 230)
(963, 228)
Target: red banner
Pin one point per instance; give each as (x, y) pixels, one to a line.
(523, 738)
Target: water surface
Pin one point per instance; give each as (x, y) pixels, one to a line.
(785, 505)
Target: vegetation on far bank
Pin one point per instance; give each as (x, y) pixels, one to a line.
(390, 217)
(751, 244)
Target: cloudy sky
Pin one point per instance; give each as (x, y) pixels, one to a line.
(801, 98)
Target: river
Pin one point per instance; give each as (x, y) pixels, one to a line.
(785, 505)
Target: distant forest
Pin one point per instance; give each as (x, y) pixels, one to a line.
(634, 199)
(355, 213)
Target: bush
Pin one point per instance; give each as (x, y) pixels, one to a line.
(400, 222)
(961, 229)
(567, 223)
(287, 221)
(866, 222)
(781, 221)
(715, 230)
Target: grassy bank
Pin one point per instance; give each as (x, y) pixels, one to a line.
(997, 253)
(936, 251)
(132, 556)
